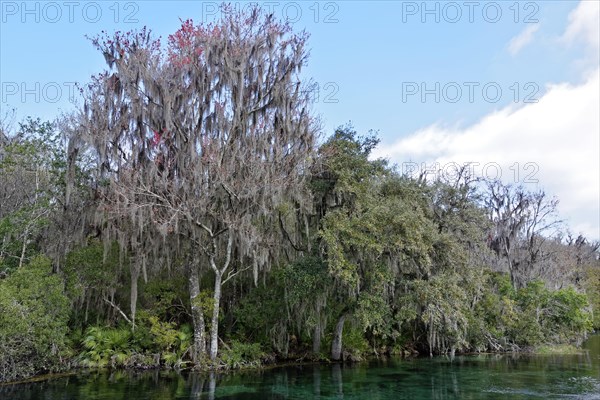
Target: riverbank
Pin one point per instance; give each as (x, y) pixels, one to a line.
(480, 376)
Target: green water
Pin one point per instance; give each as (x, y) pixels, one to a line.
(465, 377)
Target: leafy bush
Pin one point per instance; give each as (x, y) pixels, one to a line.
(91, 267)
(356, 347)
(163, 297)
(106, 346)
(153, 340)
(171, 343)
(444, 303)
(259, 313)
(592, 287)
(551, 316)
(531, 316)
(570, 314)
(34, 312)
(242, 355)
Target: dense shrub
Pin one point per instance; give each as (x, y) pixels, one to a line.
(531, 316)
(152, 343)
(34, 312)
(241, 355)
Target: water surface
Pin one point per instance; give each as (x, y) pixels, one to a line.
(464, 377)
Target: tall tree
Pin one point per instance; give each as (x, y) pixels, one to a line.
(373, 229)
(30, 187)
(522, 223)
(203, 141)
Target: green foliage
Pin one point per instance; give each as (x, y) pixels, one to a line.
(373, 309)
(253, 312)
(242, 355)
(569, 318)
(93, 272)
(206, 302)
(346, 155)
(532, 301)
(104, 346)
(92, 267)
(388, 221)
(356, 345)
(533, 315)
(165, 297)
(165, 336)
(304, 278)
(18, 227)
(31, 167)
(444, 314)
(592, 288)
(406, 261)
(258, 312)
(172, 343)
(33, 321)
(559, 349)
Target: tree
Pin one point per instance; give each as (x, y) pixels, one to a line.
(30, 188)
(374, 230)
(201, 143)
(522, 223)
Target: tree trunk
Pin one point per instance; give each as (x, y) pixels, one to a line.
(336, 345)
(318, 330)
(214, 329)
(24, 248)
(197, 316)
(317, 339)
(135, 272)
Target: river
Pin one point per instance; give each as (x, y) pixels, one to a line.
(508, 376)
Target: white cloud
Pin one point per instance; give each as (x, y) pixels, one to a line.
(559, 135)
(584, 28)
(522, 39)
(584, 23)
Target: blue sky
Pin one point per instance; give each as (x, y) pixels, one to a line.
(373, 62)
(365, 51)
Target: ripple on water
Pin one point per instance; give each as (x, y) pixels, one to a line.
(581, 387)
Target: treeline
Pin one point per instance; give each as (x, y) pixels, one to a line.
(384, 264)
(187, 216)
